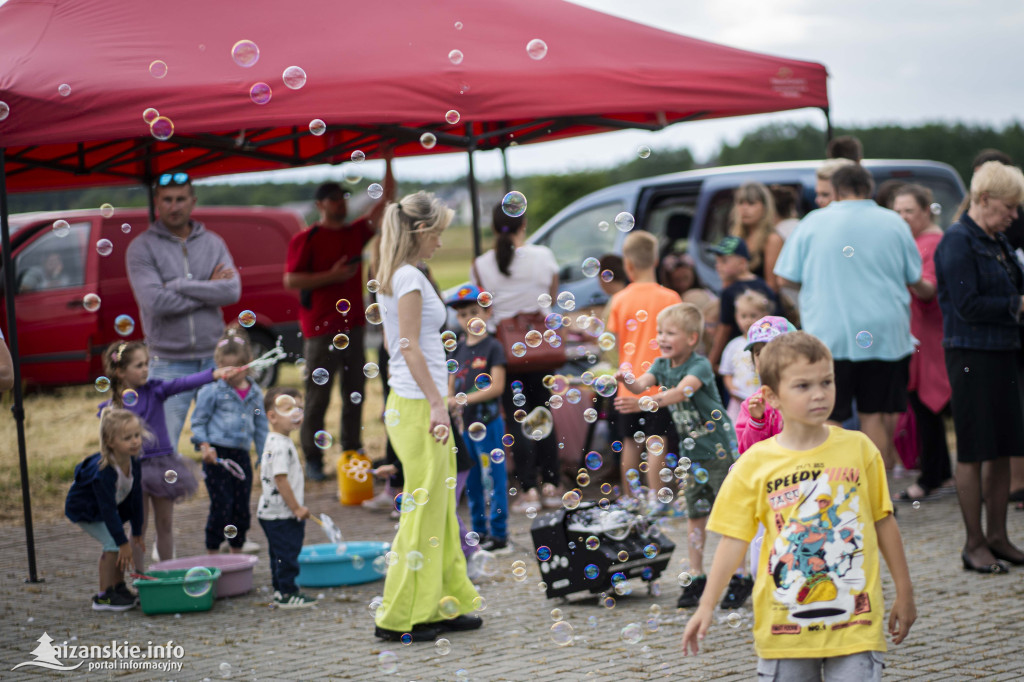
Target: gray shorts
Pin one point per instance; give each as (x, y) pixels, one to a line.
(863, 667)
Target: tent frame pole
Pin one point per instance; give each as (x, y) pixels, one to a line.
(506, 178)
(474, 198)
(829, 133)
(18, 409)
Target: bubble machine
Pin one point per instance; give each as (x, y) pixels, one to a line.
(355, 480)
(580, 550)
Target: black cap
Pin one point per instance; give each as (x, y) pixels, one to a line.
(329, 189)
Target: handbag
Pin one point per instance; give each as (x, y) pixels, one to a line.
(306, 295)
(513, 330)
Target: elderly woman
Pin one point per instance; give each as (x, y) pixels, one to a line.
(427, 591)
(980, 285)
(928, 387)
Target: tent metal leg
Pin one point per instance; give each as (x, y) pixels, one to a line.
(12, 329)
(828, 127)
(506, 178)
(474, 198)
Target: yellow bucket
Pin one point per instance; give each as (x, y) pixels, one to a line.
(355, 482)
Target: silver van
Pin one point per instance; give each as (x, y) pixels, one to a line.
(692, 209)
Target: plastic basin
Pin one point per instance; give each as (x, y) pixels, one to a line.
(329, 565)
(235, 570)
(165, 591)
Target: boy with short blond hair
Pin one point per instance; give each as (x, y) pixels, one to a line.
(632, 318)
(685, 384)
(281, 510)
(821, 493)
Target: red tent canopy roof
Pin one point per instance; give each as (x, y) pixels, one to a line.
(376, 72)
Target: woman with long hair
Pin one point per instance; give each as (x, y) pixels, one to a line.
(753, 221)
(427, 591)
(518, 275)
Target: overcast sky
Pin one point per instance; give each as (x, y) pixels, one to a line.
(890, 61)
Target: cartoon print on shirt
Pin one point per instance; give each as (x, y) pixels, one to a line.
(817, 560)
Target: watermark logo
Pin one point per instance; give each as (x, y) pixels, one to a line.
(113, 656)
(46, 656)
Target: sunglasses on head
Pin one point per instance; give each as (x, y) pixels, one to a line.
(173, 179)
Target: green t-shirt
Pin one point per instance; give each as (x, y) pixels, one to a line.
(701, 418)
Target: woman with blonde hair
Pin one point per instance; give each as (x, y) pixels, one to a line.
(427, 591)
(981, 294)
(753, 221)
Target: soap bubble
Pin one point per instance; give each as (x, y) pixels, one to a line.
(452, 116)
(162, 128)
(245, 53)
(643, 151)
(543, 553)
(734, 620)
(700, 475)
(124, 325)
(477, 431)
(343, 306)
(665, 495)
(340, 341)
(590, 415)
(198, 581)
(452, 365)
(230, 532)
(624, 221)
(519, 349)
(294, 77)
(455, 57)
(566, 300)
(225, 669)
(689, 443)
(544, 300)
(507, 440)
(583, 479)
(317, 127)
(513, 204)
(449, 606)
(149, 115)
(684, 579)
(702, 506)
(561, 633)
(64, 89)
(606, 341)
(632, 633)
(388, 661)
(375, 313)
(916, 504)
(655, 445)
(848, 251)
(391, 417)
(519, 416)
(104, 247)
(571, 500)
(593, 460)
(441, 432)
(106, 210)
(171, 476)
(650, 550)
(91, 302)
(533, 338)
(605, 385)
(428, 140)
(61, 228)
(260, 93)
(497, 455)
(157, 68)
(130, 397)
(864, 339)
(247, 318)
(370, 370)
(102, 384)
(590, 267)
(537, 49)
(375, 191)
(320, 376)
(477, 327)
(5, 111)
(443, 647)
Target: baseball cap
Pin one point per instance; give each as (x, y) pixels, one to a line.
(464, 294)
(767, 328)
(731, 246)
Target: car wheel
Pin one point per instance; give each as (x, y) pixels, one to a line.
(261, 341)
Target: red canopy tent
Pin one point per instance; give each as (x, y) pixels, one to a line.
(77, 75)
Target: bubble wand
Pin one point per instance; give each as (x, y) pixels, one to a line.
(267, 360)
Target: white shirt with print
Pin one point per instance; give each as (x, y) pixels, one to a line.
(279, 457)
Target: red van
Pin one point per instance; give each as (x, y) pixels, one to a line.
(61, 341)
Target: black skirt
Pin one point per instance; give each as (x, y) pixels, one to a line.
(988, 412)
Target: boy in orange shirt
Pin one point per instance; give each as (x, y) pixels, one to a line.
(632, 317)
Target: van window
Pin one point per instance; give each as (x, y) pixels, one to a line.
(945, 193)
(578, 237)
(53, 261)
(670, 218)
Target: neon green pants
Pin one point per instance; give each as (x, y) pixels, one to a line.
(414, 588)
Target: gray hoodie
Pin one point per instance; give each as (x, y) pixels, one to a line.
(178, 302)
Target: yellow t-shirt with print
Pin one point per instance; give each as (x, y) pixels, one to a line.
(818, 592)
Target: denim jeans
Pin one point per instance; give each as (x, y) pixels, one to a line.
(475, 491)
(176, 406)
(284, 542)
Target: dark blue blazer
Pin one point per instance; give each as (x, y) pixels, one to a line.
(93, 498)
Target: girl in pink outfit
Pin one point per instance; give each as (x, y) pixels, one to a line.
(758, 420)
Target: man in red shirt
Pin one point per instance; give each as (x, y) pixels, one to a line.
(325, 265)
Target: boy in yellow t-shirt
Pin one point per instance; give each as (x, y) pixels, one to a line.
(821, 493)
(632, 317)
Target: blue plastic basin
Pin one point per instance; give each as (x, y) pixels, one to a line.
(324, 566)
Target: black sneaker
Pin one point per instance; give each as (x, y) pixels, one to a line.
(121, 588)
(419, 633)
(740, 587)
(112, 600)
(315, 471)
(495, 545)
(458, 624)
(692, 593)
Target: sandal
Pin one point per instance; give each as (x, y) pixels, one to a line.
(1017, 495)
(551, 496)
(905, 496)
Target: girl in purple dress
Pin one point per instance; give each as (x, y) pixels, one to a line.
(166, 475)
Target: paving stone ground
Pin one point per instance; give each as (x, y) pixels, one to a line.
(970, 627)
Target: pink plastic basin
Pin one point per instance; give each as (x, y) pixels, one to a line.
(235, 570)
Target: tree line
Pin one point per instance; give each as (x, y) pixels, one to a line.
(952, 143)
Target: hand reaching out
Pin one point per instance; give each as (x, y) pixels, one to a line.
(755, 404)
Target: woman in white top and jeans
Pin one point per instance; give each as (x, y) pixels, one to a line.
(427, 591)
(517, 274)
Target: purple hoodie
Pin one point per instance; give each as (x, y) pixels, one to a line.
(178, 302)
(150, 408)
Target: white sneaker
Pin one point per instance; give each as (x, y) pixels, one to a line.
(155, 554)
(382, 501)
(251, 547)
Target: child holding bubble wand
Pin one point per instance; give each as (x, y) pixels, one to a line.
(166, 475)
(227, 419)
(107, 491)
